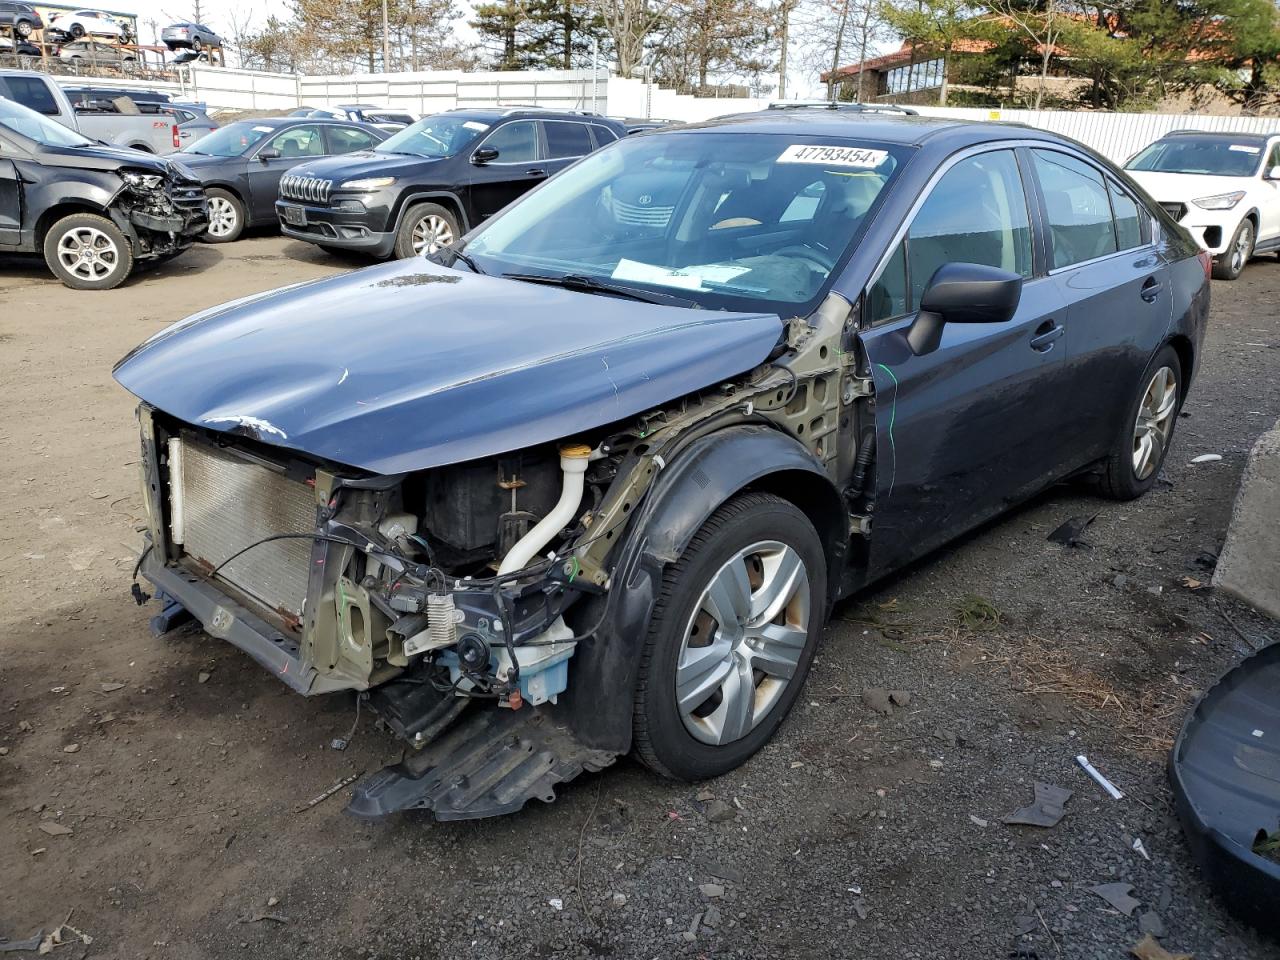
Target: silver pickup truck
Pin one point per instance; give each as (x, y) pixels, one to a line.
(151, 133)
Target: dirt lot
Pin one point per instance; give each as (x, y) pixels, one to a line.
(178, 766)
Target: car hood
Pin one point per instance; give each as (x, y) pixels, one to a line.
(103, 157)
(1185, 187)
(409, 365)
(364, 163)
(205, 163)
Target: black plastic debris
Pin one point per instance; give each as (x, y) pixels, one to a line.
(1119, 895)
(1071, 533)
(1225, 769)
(1047, 810)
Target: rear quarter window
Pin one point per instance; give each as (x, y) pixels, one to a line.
(30, 92)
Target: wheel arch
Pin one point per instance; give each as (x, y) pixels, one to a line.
(1186, 352)
(444, 198)
(64, 209)
(704, 475)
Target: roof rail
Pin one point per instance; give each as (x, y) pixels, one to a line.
(1217, 133)
(842, 105)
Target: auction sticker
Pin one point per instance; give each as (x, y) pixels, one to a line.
(833, 156)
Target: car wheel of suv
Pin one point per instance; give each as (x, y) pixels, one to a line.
(425, 229)
(22, 28)
(1145, 434)
(88, 252)
(1231, 263)
(733, 631)
(226, 216)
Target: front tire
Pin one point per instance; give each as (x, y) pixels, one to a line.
(1143, 441)
(732, 635)
(226, 216)
(426, 228)
(77, 31)
(1231, 263)
(88, 252)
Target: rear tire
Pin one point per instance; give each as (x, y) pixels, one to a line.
(1133, 464)
(706, 653)
(425, 229)
(1230, 264)
(88, 252)
(23, 29)
(196, 45)
(226, 216)
(77, 31)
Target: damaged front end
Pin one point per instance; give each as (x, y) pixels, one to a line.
(161, 214)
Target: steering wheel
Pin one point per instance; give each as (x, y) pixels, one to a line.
(800, 251)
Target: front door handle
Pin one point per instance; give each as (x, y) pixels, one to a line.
(1151, 289)
(535, 172)
(1046, 334)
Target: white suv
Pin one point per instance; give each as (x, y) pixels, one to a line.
(1223, 187)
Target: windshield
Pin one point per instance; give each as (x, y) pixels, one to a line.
(34, 126)
(439, 136)
(232, 140)
(1219, 158)
(731, 221)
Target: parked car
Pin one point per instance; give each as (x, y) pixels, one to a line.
(1223, 187)
(97, 53)
(90, 23)
(590, 481)
(194, 123)
(153, 134)
(187, 34)
(241, 164)
(92, 210)
(427, 185)
(19, 49)
(392, 121)
(190, 56)
(21, 19)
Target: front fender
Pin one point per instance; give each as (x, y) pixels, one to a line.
(712, 469)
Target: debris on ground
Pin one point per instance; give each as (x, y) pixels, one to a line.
(556, 903)
(53, 828)
(61, 935)
(1071, 533)
(1098, 778)
(876, 699)
(1118, 895)
(899, 698)
(1151, 922)
(692, 933)
(978, 821)
(717, 811)
(711, 890)
(619, 899)
(1047, 810)
(978, 613)
(111, 687)
(1207, 458)
(71, 748)
(1148, 949)
(203, 676)
(1140, 848)
(328, 793)
(31, 943)
(1191, 583)
(258, 917)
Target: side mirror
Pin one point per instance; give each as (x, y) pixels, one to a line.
(1272, 174)
(962, 293)
(268, 154)
(484, 155)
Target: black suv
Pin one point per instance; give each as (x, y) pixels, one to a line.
(433, 181)
(21, 18)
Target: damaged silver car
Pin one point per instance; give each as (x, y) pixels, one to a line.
(590, 481)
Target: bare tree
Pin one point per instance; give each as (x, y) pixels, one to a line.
(1042, 22)
(631, 24)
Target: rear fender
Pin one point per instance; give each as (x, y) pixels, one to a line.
(712, 469)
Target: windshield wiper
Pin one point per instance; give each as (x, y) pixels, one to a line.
(459, 255)
(582, 284)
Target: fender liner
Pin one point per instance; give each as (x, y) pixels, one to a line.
(599, 701)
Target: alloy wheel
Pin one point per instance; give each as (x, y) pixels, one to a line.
(222, 217)
(1155, 422)
(743, 642)
(430, 234)
(1242, 247)
(88, 253)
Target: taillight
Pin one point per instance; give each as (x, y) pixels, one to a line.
(176, 142)
(1206, 261)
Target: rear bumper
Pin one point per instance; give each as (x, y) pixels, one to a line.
(333, 228)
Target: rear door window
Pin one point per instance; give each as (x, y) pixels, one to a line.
(348, 139)
(1078, 207)
(566, 139)
(604, 136)
(1128, 216)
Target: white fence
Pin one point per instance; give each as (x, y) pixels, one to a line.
(1117, 136)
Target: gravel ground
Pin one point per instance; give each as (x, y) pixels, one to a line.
(855, 833)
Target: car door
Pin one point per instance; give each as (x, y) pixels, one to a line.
(972, 427)
(517, 168)
(292, 146)
(1119, 305)
(1269, 204)
(565, 141)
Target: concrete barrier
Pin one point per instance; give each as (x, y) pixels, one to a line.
(1249, 567)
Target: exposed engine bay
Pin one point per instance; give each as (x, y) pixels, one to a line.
(161, 215)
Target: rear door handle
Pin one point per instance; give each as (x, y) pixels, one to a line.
(1151, 289)
(535, 172)
(1046, 334)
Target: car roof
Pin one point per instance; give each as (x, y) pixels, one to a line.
(883, 127)
(1255, 138)
(493, 114)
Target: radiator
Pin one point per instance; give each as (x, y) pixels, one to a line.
(220, 503)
